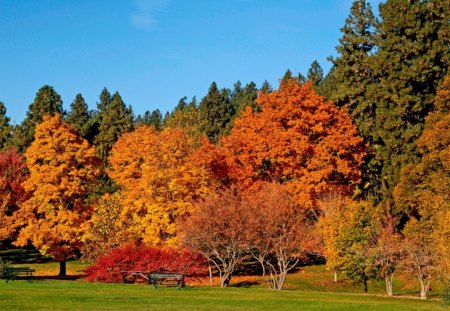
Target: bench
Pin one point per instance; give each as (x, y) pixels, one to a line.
(154, 278)
(179, 278)
(146, 275)
(13, 273)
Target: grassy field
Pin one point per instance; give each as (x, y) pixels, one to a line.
(309, 288)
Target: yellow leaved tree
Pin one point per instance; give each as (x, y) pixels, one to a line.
(159, 181)
(62, 165)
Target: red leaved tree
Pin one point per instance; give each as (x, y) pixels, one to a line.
(145, 258)
(277, 232)
(13, 172)
(216, 229)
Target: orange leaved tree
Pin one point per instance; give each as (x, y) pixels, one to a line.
(299, 139)
(159, 182)
(62, 165)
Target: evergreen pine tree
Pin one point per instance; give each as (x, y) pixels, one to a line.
(243, 97)
(411, 61)
(287, 75)
(352, 70)
(46, 102)
(216, 111)
(315, 73)
(78, 116)
(155, 119)
(5, 127)
(266, 87)
(351, 82)
(115, 120)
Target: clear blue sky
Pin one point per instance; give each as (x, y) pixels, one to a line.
(156, 51)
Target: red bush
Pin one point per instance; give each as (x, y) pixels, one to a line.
(143, 258)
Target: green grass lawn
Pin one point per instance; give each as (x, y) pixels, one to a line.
(309, 288)
(77, 295)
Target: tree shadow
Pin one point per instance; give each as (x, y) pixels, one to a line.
(245, 284)
(23, 256)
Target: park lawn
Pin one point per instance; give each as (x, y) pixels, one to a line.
(79, 295)
(309, 288)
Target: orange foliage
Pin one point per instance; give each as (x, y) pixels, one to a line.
(159, 182)
(62, 165)
(299, 139)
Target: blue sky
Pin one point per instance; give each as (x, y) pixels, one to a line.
(156, 51)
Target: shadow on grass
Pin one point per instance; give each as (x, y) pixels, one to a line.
(245, 284)
(23, 256)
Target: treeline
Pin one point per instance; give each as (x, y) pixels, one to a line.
(356, 163)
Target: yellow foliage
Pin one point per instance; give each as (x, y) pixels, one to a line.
(61, 165)
(158, 180)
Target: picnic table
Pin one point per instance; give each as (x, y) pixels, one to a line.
(155, 278)
(13, 273)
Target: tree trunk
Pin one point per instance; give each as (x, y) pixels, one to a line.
(225, 280)
(388, 280)
(335, 277)
(62, 268)
(365, 285)
(210, 276)
(424, 287)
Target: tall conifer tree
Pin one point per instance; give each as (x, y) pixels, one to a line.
(78, 116)
(115, 120)
(411, 61)
(5, 127)
(46, 102)
(216, 111)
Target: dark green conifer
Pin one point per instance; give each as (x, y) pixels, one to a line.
(216, 111)
(46, 102)
(5, 127)
(78, 116)
(412, 59)
(315, 73)
(115, 120)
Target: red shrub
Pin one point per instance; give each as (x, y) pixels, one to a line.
(143, 258)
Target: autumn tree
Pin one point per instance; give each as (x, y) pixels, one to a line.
(216, 229)
(186, 116)
(423, 193)
(62, 166)
(276, 228)
(13, 173)
(418, 246)
(159, 182)
(298, 139)
(105, 228)
(357, 237)
(331, 222)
